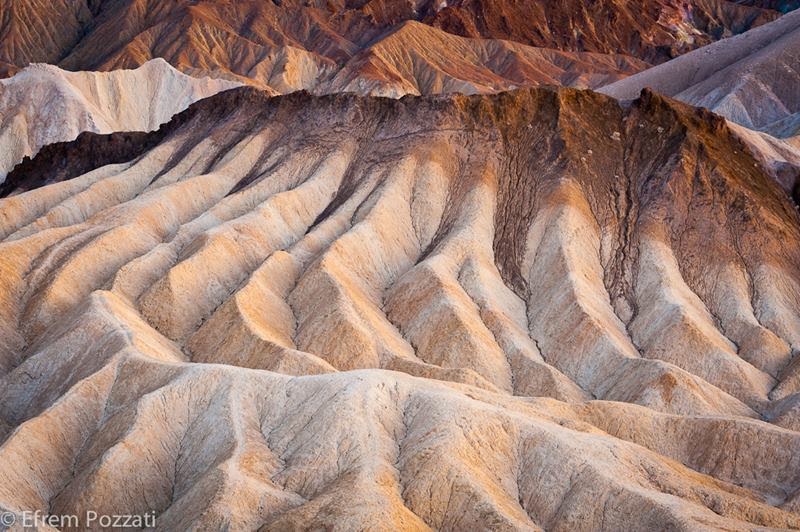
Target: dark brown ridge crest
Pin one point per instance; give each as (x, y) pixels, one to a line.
(505, 113)
(62, 161)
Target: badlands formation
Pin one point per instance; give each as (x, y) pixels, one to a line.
(751, 79)
(286, 45)
(417, 59)
(406, 57)
(43, 104)
(540, 309)
(514, 308)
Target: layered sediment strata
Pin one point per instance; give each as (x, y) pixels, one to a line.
(291, 43)
(537, 309)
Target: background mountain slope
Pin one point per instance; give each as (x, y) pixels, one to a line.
(417, 59)
(752, 80)
(43, 104)
(254, 39)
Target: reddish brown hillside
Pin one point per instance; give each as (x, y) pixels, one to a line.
(253, 38)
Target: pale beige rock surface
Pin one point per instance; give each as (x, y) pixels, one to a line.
(43, 104)
(532, 310)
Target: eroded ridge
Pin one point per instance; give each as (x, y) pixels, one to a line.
(536, 309)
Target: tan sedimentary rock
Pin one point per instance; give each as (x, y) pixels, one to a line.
(43, 104)
(532, 310)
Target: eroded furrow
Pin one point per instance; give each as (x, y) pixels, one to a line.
(451, 313)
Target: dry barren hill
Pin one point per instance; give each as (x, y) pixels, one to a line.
(290, 43)
(43, 104)
(417, 59)
(751, 79)
(652, 30)
(532, 310)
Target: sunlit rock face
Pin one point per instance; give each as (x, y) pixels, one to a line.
(533, 310)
